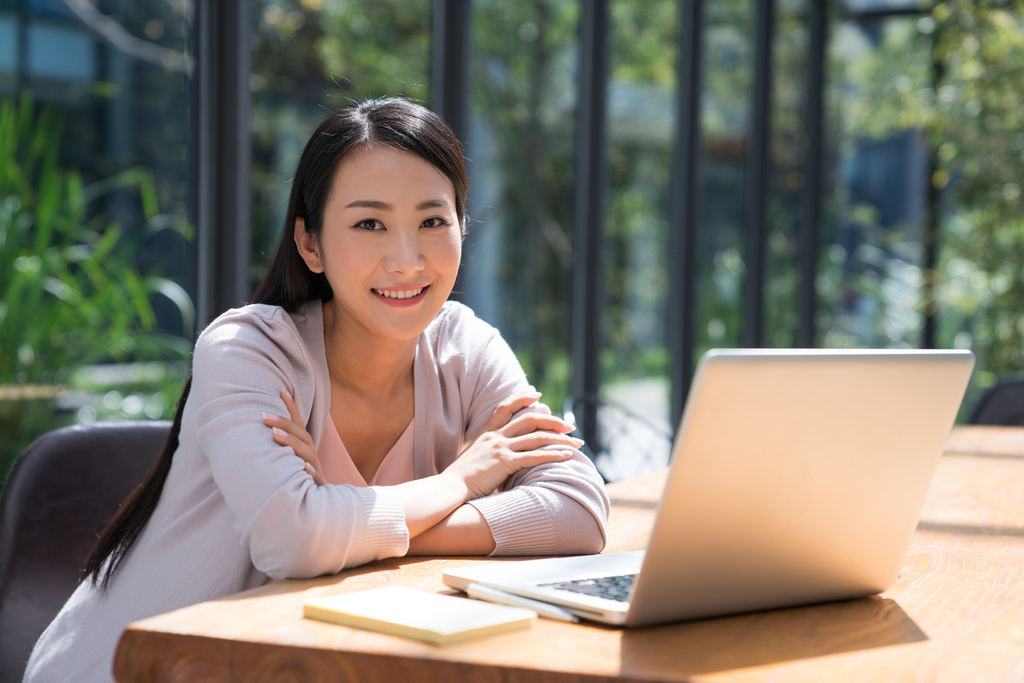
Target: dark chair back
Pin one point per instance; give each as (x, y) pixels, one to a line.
(61, 493)
(1002, 405)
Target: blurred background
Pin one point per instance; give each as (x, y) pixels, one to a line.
(649, 179)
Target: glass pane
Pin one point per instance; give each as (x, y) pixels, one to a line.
(725, 122)
(517, 263)
(870, 271)
(868, 6)
(641, 131)
(96, 317)
(312, 57)
(977, 131)
(788, 145)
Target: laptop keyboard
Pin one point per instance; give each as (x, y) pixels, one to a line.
(608, 587)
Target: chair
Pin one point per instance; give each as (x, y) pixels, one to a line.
(629, 444)
(1002, 405)
(61, 493)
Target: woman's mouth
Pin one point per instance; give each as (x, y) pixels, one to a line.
(401, 297)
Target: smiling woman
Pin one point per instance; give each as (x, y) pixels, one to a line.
(391, 238)
(410, 428)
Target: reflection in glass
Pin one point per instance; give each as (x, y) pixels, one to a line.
(96, 318)
(977, 134)
(312, 57)
(725, 122)
(641, 131)
(517, 258)
(787, 147)
(870, 270)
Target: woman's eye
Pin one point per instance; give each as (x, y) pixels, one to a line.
(370, 224)
(435, 222)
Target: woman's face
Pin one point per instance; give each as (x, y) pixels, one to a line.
(391, 242)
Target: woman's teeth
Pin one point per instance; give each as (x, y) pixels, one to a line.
(398, 293)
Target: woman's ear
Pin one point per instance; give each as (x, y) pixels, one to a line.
(307, 246)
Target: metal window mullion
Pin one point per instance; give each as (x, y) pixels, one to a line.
(450, 65)
(931, 226)
(810, 196)
(756, 186)
(450, 81)
(683, 271)
(223, 155)
(22, 53)
(587, 289)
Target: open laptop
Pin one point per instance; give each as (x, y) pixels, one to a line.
(797, 477)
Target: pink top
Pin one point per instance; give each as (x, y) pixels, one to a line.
(338, 468)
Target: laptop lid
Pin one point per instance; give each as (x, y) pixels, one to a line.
(798, 476)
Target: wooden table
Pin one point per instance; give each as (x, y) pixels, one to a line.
(956, 614)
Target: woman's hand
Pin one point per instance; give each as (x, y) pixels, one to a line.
(291, 433)
(508, 445)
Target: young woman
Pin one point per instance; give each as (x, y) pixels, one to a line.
(348, 414)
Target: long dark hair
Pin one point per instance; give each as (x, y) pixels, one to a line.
(395, 123)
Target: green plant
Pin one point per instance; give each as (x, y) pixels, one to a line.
(70, 292)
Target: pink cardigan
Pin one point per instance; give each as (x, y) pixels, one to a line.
(237, 507)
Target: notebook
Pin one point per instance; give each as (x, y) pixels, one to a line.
(430, 617)
(797, 477)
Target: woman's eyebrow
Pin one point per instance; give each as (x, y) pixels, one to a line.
(370, 204)
(433, 204)
(384, 206)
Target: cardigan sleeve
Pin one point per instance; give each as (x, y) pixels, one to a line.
(554, 508)
(291, 527)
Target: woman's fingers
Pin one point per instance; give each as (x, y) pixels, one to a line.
(301, 448)
(509, 407)
(289, 427)
(318, 478)
(535, 440)
(526, 424)
(533, 458)
(291, 433)
(293, 412)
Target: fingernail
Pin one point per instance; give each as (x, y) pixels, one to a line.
(279, 432)
(286, 394)
(269, 418)
(578, 442)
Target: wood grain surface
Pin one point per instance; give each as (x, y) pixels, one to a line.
(956, 614)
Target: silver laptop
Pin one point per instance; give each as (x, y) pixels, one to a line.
(797, 477)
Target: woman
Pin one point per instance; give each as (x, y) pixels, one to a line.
(349, 335)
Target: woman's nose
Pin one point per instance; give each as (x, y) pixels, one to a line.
(404, 253)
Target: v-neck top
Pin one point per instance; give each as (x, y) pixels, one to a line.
(397, 467)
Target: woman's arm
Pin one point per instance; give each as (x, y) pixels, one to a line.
(290, 527)
(435, 506)
(463, 532)
(553, 508)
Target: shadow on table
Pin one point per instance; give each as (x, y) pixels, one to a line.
(619, 501)
(970, 529)
(764, 638)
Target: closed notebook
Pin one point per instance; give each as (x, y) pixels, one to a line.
(410, 613)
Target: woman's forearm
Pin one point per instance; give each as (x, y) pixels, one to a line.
(463, 532)
(430, 500)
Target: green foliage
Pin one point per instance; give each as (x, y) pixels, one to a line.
(958, 75)
(311, 57)
(979, 136)
(523, 89)
(643, 61)
(70, 294)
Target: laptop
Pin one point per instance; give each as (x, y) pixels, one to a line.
(797, 477)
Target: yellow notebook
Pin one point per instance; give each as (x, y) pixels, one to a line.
(410, 613)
